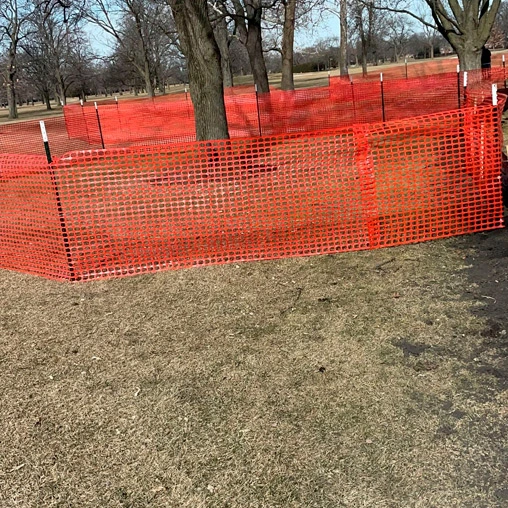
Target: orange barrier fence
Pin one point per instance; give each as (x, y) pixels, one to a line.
(25, 138)
(340, 104)
(117, 212)
(170, 119)
(419, 68)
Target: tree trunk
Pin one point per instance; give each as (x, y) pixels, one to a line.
(60, 92)
(469, 58)
(288, 38)
(148, 79)
(11, 100)
(11, 86)
(205, 73)
(343, 38)
(220, 31)
(363, 47)
(254, 47)
(47, 101)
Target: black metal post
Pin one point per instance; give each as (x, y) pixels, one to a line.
(85, 122)
(405, 63)
(257, 107)
(99, 123)
(353, 97)
(382, 96)
(61, 217)
(504, 72)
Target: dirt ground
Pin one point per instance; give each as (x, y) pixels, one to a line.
(366, 379)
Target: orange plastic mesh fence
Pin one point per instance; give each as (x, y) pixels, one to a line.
(342, 103)
(25, 138)
(117, 212)
(420, 68)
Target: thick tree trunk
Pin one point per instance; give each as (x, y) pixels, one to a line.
(205, 73)
(221, 36)
(469, 59)
(254, 47)
(288, 39)
(11, 100)
(248, 18)
(469, 56)
(343, 38)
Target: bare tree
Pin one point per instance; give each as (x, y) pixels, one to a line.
(55, 35)
(203, 60)
(466, 25)
(218, 19)
(368, 23)
(288, 40)
(14, 17)
(248, 17)
(281, 21)
(499, 35)
(398, 32)
(134, 25)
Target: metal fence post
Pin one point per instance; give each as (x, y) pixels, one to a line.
(504, 72)
(61, 216)
(458, 84)
(257, 107)
(465, 88)
(99, 123)
(382, 96)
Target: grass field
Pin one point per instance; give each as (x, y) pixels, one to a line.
(362, 379)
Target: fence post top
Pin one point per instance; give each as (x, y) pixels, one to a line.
(43, 131)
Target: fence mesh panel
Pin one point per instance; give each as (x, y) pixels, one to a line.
(340, 104)
(98, 213)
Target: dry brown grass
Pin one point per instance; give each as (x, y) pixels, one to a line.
(349, 380)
